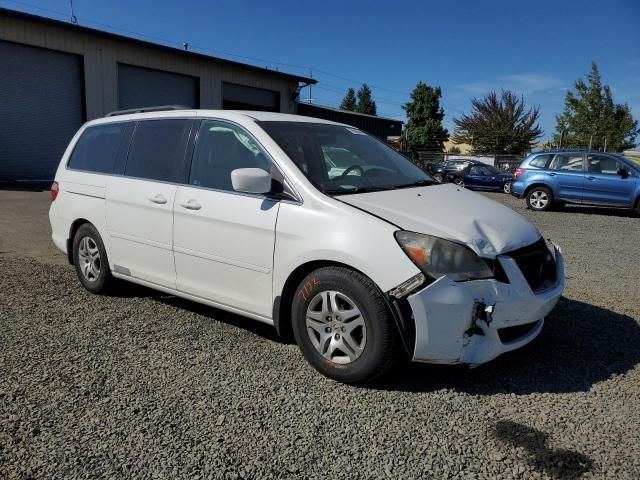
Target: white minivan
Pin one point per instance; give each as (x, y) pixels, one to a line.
(259, 214)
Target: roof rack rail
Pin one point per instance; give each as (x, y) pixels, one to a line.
(160, 108)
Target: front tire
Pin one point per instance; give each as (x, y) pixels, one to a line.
(90, 260)
(438, 177)
(539, 199)
(343, 326)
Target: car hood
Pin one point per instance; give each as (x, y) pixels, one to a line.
(453, 213)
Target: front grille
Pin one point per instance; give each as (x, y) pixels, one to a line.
(536, 264)
(509, 334)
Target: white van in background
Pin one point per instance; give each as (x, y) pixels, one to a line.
(256, 213)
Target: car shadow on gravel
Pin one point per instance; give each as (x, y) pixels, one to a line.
(609, 212)
(580, 346)
(132, 290)
(557, 463)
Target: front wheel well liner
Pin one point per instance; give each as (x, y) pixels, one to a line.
(72, 232)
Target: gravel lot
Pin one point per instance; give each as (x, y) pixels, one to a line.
(147, 385)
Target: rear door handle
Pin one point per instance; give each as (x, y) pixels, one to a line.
(191, 205)
(591, 178)
(159, 199)
(552, 174)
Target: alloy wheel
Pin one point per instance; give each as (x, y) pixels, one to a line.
(89, 259)
(539, 199)
(507, 187)
(336, 327)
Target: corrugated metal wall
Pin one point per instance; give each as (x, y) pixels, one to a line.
(99, 56)
(376, 126)
(143, 87)
(41, 107)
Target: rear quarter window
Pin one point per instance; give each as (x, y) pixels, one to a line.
(97, 148)
(541, 161)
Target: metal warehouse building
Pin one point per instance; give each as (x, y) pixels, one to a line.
(56, 75)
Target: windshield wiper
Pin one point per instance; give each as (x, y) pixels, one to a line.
(417, 183)
(341, 191)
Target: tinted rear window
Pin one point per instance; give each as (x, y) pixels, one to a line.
(541, 161)
(97, 148)
(157, 150)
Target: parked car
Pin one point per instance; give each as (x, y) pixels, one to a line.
(238, 210)
(550, 178)
(440, 170)
(480, 176)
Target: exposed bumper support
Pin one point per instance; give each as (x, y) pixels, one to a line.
(461, 322)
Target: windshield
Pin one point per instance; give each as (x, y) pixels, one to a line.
(341, 160)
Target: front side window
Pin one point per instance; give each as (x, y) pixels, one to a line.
(340, 160)
(97, 148)
(569, 162)
(220, 149)
(603, 164)
(157, 150)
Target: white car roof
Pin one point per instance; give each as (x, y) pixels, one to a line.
(237, 115)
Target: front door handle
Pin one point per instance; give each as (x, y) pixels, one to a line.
(552, 174)
(159, 199)
(591, 178)
(191, 205)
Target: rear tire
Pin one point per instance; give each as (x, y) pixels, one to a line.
(343, 326)
(506, 188)
(539, 199)
(438, 177)
(90, 260)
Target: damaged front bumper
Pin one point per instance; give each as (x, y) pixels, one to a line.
(475, 321)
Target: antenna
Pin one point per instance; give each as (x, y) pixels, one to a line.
(73, 18)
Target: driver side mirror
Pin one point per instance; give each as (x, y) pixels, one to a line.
(251, 180)
(623, 173)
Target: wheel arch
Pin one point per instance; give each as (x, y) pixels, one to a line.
(72, 232)
(283, 302)
(534, 185)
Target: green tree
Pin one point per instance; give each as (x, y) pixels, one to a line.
(498, 125)
(424, 118)
(590, 114)
(349, 100)
(365, 101)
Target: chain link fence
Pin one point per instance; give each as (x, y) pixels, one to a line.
(425, 158)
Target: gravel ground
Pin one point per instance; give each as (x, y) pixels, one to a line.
(144, 385)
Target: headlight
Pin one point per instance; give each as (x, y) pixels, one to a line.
(437, 257)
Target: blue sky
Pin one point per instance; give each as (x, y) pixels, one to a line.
(538, 49)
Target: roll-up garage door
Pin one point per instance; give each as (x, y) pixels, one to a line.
(145, 87)
(41, 107)
(241, 97)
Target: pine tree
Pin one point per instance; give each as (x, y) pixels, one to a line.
(349, 101)
(365, 101)
(590, 115)
(499, 125)
(424, 118)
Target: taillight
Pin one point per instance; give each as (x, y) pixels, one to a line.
(518, 172)
(54, 191)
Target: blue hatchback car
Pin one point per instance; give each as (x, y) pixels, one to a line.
(480, 176)
(588, 178)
